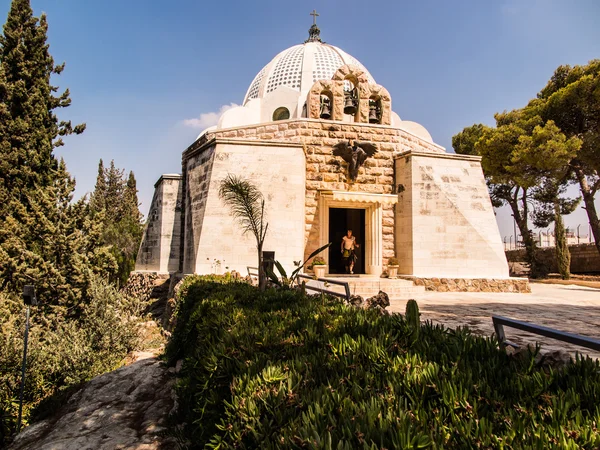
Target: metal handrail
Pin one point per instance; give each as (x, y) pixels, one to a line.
(327, 291)
(500, 322)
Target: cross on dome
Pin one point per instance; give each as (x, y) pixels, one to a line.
(314, 34)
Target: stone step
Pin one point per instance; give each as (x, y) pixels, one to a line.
(367, 287)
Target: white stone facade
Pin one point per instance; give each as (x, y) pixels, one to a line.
(429, 209)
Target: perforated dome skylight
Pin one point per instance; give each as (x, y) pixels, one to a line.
(298, 67)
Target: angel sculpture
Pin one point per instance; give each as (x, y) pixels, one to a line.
(355, 155)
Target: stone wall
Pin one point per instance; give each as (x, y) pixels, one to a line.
(197, 171)
(212, 234)
(326, 172)
(516, 285)
(445, 220)
(160, 247)
(584, 258)
(322, 132)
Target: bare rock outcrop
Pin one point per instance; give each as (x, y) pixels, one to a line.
(123, 409)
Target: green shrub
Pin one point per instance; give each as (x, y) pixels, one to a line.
(279, 370)
(63, 351)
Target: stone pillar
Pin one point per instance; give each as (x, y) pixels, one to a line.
(160, 247)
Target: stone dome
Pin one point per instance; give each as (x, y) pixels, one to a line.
(298, 67)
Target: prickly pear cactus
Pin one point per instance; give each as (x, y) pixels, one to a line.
(413, 316)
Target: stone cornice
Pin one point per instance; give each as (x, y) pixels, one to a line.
(311, 124)
(167, 176)
(191, 150)
(360, 197)
(438, 155)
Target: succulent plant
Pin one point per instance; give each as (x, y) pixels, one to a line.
(281, 370)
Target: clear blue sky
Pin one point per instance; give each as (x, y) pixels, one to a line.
(137, 69)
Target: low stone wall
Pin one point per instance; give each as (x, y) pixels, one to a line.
(584, 258)
(515, 285)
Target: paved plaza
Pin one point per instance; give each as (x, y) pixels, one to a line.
(569, 308)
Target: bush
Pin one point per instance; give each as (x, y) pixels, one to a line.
(63, 351)
(282, 370)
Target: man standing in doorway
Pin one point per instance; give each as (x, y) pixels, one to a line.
(348, 254)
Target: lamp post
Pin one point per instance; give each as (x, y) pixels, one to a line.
(510, 246)
(578, 233)
(504, 243)
(548, 236)
(30, 300)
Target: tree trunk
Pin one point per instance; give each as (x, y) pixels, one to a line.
(563, 256)
(590, 207)
(536, 269)
(262, 278)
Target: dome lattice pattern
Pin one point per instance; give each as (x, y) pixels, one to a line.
(298, 67)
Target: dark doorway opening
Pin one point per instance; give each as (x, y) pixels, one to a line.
(340, 221)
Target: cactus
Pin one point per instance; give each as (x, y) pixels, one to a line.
(412, 316)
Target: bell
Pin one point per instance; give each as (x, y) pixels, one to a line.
(325, 110)
(373, 116)
(349, 106)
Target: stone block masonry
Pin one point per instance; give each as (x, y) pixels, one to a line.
(514, 285)
(584, 258)
(325, 172)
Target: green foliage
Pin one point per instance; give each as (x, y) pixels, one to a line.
(318, 261)
(572, 100)
(292, 280)
(63, 352)
(393, 261)
(114, 205)
(519, 156)
(280, 370)
(30, 129)
(247, 206)
(82, 327)
(563, 255)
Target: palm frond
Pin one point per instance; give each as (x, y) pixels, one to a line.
(246, 203)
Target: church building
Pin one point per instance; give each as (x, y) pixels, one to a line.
(318, 136)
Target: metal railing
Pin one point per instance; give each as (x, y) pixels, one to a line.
(575, 339)
(344, 284)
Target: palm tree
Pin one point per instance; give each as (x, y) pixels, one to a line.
(247, 205)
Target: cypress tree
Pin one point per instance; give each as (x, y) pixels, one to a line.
(4, 144)
(36, 226)
(98, 199)
(114, 203)
(563, 255)
(115, 187)
(33, 128)
(131, 202)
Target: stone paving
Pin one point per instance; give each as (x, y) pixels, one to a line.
(570, 308)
